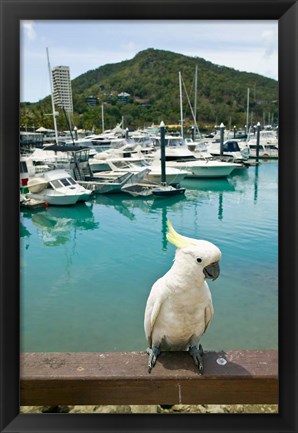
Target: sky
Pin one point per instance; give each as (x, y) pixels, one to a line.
(250, 46)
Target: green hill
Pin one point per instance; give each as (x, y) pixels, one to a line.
(151, 80)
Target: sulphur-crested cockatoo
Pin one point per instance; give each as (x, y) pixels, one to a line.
(179, 307)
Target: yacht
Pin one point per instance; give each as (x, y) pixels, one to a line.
(233, 149)
(135, 165)
(268, 145)
(57, 188)
(197, 163)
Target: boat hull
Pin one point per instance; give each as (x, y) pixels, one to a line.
(205, 169)
(172, 179)
(59, 200)
(168, 192)
(208, 173)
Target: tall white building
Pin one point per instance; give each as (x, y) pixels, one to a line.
(62, 88)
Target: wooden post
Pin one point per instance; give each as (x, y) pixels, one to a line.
(222, 132)
(163, 152)
(76, 132)
(258, 142)
(193, 133)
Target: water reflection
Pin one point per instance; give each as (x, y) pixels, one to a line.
(215, 185)
(24, 232)
(56, 225)
(256, 184)
(220, 206)
(164, 228)
(126, 205)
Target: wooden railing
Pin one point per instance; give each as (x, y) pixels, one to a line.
(233, 377)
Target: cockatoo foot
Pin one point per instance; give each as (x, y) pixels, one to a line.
(197, 355)
(153, 354)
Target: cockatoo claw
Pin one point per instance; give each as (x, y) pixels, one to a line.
(197, 355)
(201, 350)
(153, 354)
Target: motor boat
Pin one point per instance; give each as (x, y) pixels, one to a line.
(134, 165)
(198, 162)
(60, 189)
(231, 148)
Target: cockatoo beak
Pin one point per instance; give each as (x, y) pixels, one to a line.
(212, 271)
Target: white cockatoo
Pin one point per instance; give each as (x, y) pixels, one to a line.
(179, 307)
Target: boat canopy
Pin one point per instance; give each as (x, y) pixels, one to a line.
(58, 148)
(231, 146)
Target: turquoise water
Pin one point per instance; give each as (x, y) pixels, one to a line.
(86, 271)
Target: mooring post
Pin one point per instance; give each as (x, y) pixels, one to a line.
(76, 133)
(258, 142)
(222, 133)
(163, 152)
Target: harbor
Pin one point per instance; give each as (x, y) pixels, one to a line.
(87, 269)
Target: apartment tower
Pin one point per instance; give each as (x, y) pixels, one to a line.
(62, 88)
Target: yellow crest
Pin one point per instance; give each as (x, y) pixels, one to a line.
(178, 240)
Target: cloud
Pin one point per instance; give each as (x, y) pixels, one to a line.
(269, 40)
(129, 46)
(84, 45)
(28, 28)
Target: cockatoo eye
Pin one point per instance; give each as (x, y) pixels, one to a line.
(199, 260)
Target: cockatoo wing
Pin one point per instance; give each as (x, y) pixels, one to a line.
(209, 311)
(154, 303)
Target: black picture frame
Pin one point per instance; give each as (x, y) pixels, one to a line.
(12, 11)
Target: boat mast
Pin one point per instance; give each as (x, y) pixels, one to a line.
(52, 97)
(181, 108)
(102, 118)
(196, 128)
(247, 113)
(196, 96)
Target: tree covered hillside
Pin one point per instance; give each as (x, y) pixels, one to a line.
(151, 84)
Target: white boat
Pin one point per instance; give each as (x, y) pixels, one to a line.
(61, 189)
(167, 191)
(29, 169)
(37, 184)
(112, 183)
(174, 175)
(140, 189)
(137, 187)
(106, 184)
(268, 145)
(129, 150)
(266, 151)
(197, 163)
(266, 137)
(205, 168)
(135, 165)
(231, 148)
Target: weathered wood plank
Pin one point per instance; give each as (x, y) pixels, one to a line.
(247, 377)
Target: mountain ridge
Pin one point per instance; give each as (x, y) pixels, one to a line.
(151, 80)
